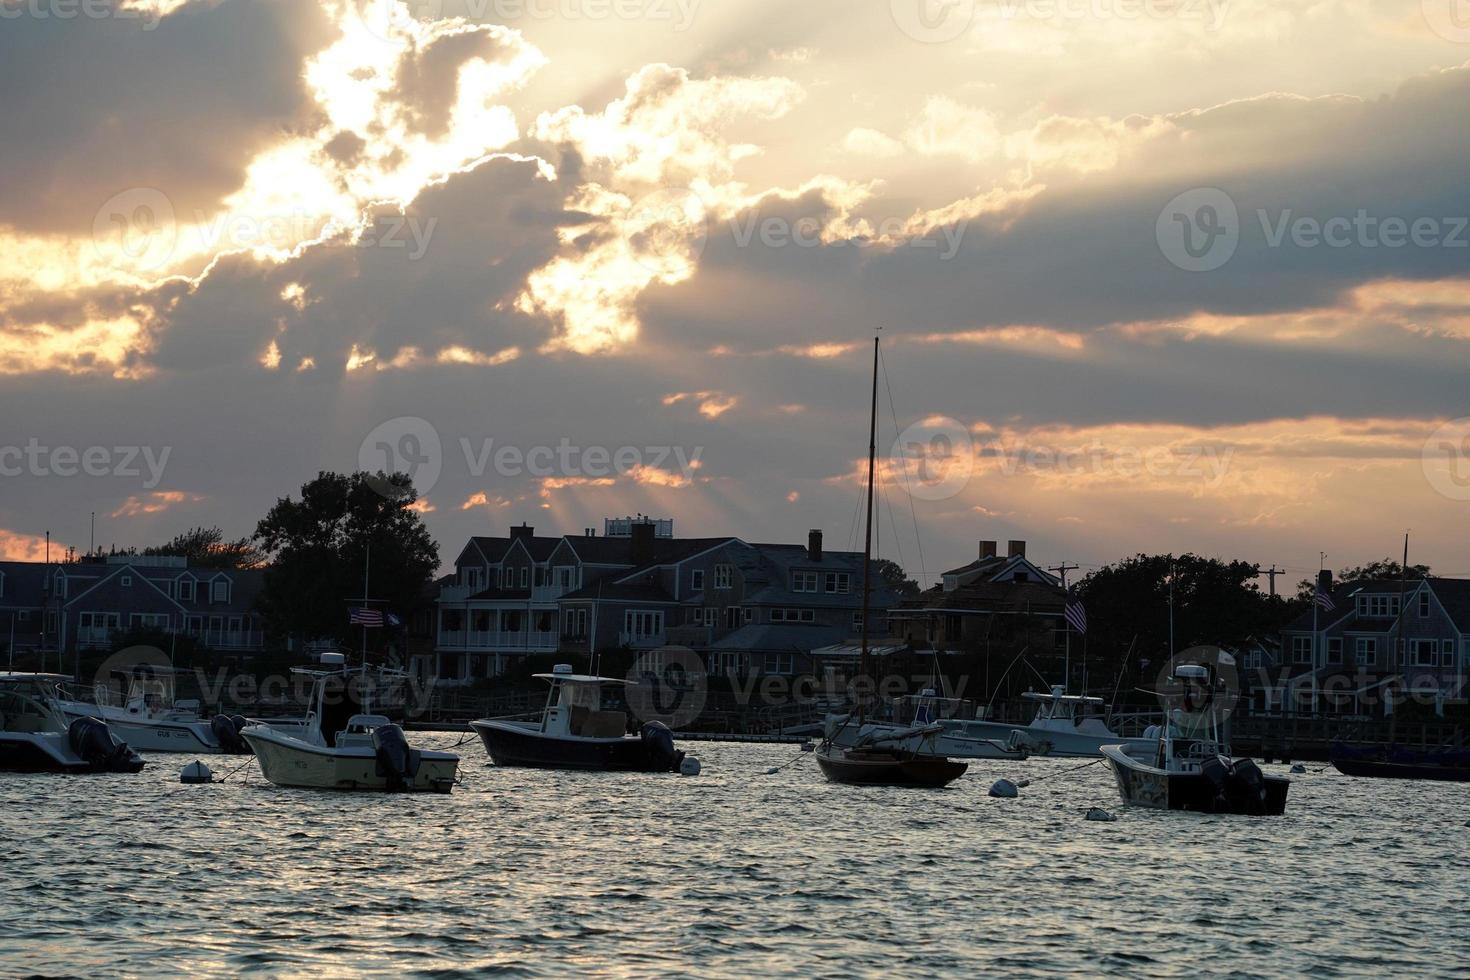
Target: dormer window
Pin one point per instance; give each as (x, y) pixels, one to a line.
(1424, 604)
(219, 590)
(127, 581)
(186, 589)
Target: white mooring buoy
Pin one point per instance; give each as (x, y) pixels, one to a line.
(196, 772)
(1098, 813)
(689, 767)
(1005, 789)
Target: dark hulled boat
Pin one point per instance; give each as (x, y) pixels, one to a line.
(1398, 762)
(872, 763)
(1189, 766)
(36, 737)
(886, 767)
(575, 732)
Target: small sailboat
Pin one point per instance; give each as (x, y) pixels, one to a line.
(576, 731)
(344, 749)
(35, 735)
(907, 758)
(1188, 766)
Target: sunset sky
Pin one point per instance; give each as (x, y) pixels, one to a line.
(1151, 275)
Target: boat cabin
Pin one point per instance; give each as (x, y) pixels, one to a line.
(1068, 712)
(28, 703)
(576, 706)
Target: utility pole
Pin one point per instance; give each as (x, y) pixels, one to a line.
(1062, 570)
(1271, 574)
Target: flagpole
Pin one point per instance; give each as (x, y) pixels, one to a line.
(367, 558)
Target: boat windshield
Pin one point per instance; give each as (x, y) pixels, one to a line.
(26, 709)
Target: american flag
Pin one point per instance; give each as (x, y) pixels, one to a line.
(1075, 613)
(363, 616)
(1323, 599)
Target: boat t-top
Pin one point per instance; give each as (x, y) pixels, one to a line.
(1188, 765)
(35, 735)
(343, 743)
(578, 731)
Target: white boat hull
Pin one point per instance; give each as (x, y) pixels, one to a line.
(287, 761)
(151, 734)
(1051, 741)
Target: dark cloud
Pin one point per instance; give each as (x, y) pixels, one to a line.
(95, 106)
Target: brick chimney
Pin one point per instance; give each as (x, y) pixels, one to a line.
(1015, 549)
(642, 536)
(1324, 581)
(523, 533)
(814, 544)
(988, 549)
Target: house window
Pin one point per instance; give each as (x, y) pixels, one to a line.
(747, 615)
(808, 616)
(952, 626)
(804, 581)
(724, 577)
(710, 614)
(857, 620)
(839, 582)
(1378, 606)
(1366, 649)
(642, 625)
(234, 624)
(127, 581)
(525, 576)
(24, 615)
(1301, 649)
(564, 577)
(1424, 653)
(696, 580)
(194, 625)
(219, 590)
(1334, 649)
(472, 578)
(575, 622)
(780, 663)
(1424, 604)
(186, 589)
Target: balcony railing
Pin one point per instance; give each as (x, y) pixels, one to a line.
(498, 640)
(641, 641)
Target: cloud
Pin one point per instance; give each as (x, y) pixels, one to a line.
(156, 502)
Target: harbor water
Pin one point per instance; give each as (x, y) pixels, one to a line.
(732, 873)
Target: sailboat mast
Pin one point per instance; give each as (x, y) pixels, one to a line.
(868, 534)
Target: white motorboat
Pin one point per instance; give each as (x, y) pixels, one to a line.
(35, 735)
(1067, 725)
(345, 749)
(1188, 766)
(143, 711)
(577, 732)
(929, 725)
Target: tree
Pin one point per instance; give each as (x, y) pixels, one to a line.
(320, 545)
(1215, 602)
(206, 547)
(891, 573)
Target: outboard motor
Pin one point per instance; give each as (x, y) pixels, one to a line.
(659, 753)
(1216, 772)
(91, 739)
(1246, 787)
(227, 731)
(396, 760)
